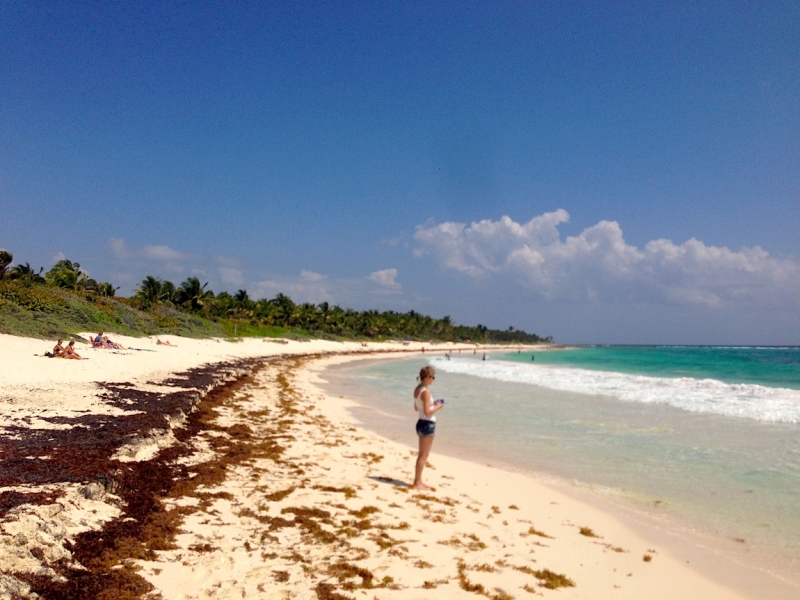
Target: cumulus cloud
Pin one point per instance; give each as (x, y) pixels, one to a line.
(311, 276)
(161, 254)
(385, 279)
(598, 263)
(150, 254)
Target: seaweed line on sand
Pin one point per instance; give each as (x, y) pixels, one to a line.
(83, 454)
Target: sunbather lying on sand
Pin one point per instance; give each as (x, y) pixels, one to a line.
(112, 345)
(160, 343)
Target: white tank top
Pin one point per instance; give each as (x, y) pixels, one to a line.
(418, 404)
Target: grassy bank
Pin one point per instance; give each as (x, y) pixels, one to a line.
(48, 312)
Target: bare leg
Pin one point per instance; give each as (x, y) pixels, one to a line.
(425, 445)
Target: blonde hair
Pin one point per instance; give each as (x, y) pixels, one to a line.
(426, 372)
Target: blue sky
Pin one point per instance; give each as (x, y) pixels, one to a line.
(366, 154)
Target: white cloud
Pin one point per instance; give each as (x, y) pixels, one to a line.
(58, 256)
(150, 254)
(161, 254)
(311, 276)
(386, 277)
(598, 263)
(386, 280)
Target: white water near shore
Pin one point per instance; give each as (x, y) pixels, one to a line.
(731, 478)
(779, 405)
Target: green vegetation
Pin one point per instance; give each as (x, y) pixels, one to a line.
(66, 300)
(38, 310)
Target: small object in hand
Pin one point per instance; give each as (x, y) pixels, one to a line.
(439, 401)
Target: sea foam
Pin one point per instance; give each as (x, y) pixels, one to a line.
(777, 405)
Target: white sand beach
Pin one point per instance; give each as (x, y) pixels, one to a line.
(284, 495)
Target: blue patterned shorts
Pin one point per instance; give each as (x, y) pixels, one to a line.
(426, 428)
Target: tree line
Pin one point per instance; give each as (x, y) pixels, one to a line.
(64, 274)
(192, 296)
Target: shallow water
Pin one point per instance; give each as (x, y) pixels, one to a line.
(736, 477)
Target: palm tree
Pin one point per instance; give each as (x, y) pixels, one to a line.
(283, 309)
(26, 273)
(168, 292)
(150, 291)
(241, 296)
(71, 280)
(307, 316)
(107, 289)
(67, 274)
(192, 294)
(5, 259)
(324, 315)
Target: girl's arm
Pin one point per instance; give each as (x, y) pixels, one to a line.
(427, 405)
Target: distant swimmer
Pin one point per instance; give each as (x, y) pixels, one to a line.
(484, 356)
(533, 357)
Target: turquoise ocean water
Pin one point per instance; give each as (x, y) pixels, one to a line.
(710, 435)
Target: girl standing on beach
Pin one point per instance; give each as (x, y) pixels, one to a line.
(426, 425)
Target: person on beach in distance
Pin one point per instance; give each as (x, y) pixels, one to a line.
(112, 345)
(69, 351)
(58, 349)
(426, 424)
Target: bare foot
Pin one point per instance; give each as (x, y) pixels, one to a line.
(420, 486)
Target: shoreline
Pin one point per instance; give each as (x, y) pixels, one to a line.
(231, 514)
(726, 559)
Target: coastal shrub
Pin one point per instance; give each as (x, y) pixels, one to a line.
(41, 311)
(30, 297)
